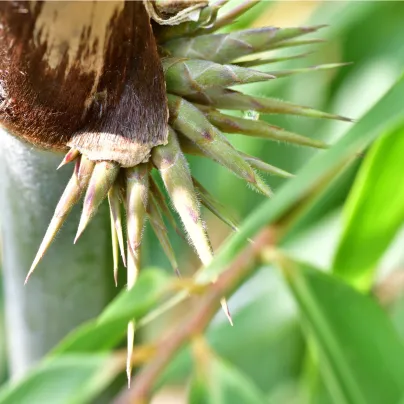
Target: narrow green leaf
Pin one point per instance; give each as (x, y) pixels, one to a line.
(72, 379)
(135, 303)
(105, 332)
(217, 382)
(374, 211)
(361, 355)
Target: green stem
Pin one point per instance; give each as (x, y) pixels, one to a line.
(72, 283)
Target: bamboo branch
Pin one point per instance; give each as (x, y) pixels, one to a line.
(242, 267)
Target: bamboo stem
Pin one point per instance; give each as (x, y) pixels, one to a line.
(72, 283)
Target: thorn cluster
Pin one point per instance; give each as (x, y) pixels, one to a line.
(199, 65)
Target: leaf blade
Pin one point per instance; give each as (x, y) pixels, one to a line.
(216, 382)
(369, 225)
(64, 380)
(105, 332)
(361, 355)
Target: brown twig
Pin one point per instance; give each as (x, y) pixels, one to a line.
(243, 266)
(391, 288)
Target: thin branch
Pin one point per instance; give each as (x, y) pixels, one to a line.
(242, 267)
(391, 288)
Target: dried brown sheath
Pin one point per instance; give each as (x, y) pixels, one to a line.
(82, 74)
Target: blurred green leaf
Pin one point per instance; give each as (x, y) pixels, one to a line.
(71, 374)
(217, 382)
(266, 342)
(314, 390)
(106, 331)
(349, 14)
(71, 379)
(374, 211)
(361, 356)
(270, 352)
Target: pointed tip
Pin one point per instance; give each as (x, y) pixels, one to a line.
(114, 240)
(345, 119)
(336, 117)
(61, 164)
(71, 155)
(122, 248)
(34, 264)
(261, 186)
(315, 27)
(226, 310)
(116, 225)
(116, 276)
(51, 231)
(329, 66)
(129, 353)
(30, 273)
(129, 376)
(82, 225)
(115, 270)
(342, 64)
(261, 165)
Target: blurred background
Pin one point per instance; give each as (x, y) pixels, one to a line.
(267, 344)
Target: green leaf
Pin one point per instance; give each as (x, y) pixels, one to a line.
(105, 332)
(361, 357)
(266, 342)
(69, 379)
(72, 374)
(217, 382)
(374, 211)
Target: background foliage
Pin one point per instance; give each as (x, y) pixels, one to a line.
(322, 320)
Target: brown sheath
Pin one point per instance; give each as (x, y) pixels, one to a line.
(82, 74)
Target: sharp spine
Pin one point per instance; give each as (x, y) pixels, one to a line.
(71, 195)
(102, 178)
